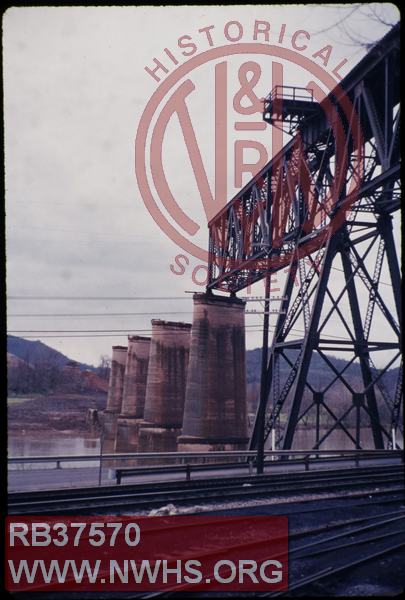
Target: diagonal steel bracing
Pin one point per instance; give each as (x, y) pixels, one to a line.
(323, 209)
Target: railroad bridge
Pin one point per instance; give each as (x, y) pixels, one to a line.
(322, 207)
(322, 210)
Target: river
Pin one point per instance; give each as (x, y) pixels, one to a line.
(45, 443)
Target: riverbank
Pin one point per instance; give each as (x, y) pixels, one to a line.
(52, 412)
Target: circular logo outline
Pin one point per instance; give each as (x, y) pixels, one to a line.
(173, 78)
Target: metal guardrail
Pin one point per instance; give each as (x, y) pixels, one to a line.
(183, 468)
(290, 92)
(249, 455)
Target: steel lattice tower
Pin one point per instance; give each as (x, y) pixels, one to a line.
(322, 209)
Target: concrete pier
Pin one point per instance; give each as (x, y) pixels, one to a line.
(115, 390)
(166, 386)
(133, 397)
(215, 414)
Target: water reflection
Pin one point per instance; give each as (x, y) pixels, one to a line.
(92, 443)
(337, 440)
(45, 443)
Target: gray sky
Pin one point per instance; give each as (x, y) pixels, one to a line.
(74, 91)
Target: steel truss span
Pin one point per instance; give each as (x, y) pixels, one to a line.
(322, 210)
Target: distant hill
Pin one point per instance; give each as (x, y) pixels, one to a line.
(318, 367)
(319, 376)
(35, 352)
(319, 371)
(34, 367)
(14, 361)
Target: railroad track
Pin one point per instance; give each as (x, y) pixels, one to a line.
(318, 553)
(327, 538)
(327, 559)
(144, 496)
(322, 552)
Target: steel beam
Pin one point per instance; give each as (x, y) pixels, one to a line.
(270, 225)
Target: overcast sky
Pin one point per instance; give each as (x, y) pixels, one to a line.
(75, 88)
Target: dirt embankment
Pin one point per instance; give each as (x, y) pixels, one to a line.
(57, 412)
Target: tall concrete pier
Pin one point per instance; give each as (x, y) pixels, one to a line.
(215, 415)
(115, 390)
(133, 397)
(166, 386)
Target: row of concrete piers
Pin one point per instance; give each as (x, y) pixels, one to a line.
(183, 389)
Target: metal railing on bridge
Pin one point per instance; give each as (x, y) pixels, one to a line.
(166, 462)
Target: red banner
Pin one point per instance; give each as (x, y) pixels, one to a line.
(113, 553)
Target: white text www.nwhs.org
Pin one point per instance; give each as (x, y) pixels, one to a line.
(129, 571)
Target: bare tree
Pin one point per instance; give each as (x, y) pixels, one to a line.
(355, 17)
(104, 366)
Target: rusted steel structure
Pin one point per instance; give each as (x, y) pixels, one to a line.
(165, 387)
(322, 209)
(115, 391)
(133, 396)
(215, 405)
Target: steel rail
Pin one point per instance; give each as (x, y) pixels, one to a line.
(187, 495)
(189, 586)
(330, 571)
(273, 478)
(376, 523)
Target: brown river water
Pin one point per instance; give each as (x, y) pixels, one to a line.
(45, 443)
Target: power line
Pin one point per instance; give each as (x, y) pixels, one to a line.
(128, 330)
(124, 332)
(98, 298)
(131, 314)
(39, 331)
(105, 335)
(380, 282)
(125, 298)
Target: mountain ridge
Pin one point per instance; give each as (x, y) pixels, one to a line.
(36, 352)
